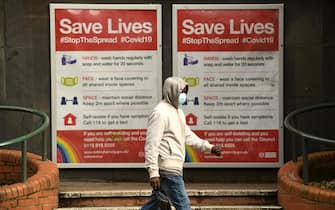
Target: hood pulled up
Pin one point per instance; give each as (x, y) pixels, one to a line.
(172, 87)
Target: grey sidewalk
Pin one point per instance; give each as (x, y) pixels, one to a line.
(94, 188)
(91, 189)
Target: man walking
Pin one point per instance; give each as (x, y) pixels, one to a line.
(167, 135)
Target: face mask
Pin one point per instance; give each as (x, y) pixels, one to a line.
(182, 99)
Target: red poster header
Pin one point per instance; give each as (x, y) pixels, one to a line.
(105, 29)
(228, 30)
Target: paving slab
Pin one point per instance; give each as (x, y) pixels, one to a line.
(70, 188)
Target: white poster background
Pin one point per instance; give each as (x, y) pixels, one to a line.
(235, 98)
(106, 77)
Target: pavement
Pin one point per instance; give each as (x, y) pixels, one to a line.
(98, 186)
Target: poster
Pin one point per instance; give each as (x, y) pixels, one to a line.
(232, 58)
(106, 78)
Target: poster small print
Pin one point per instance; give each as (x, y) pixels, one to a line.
(232, 58)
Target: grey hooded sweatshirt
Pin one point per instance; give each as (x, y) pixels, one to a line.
(167, 133)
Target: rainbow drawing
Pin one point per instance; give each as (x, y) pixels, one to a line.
(191, 155)
(68, 154)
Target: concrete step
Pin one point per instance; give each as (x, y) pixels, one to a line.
(129, 195)
(237, 207)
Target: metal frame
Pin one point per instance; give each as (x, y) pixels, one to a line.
(56, 112)
(305, 137)
(276, 93)
(22, 139)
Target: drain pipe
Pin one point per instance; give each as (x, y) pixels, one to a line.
(2, 51)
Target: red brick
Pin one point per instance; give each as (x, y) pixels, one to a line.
(20, 189)
(293, 195)
(8, 204)
(303, 205)
(45, 182)
(27, 188)
(49, 192)
(8, 193)
(49, 207)
(28, 208)
(5, 169)
(313, 193)
(29, 195)
(35, 195)
(332, 197)
(321, 206)
(289, 199)
(49, 200)
(325, 196)
(28, 202)
(17, 177)
(2, 174)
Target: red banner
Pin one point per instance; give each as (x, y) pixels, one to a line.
(114, 146)
(227, 30)
(100, 146)
(243, 145)
(89, 29)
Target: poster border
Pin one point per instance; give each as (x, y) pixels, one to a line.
(52, 8)
(280, 8)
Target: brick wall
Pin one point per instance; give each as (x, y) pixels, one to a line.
(294, 195)
(40, 191)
